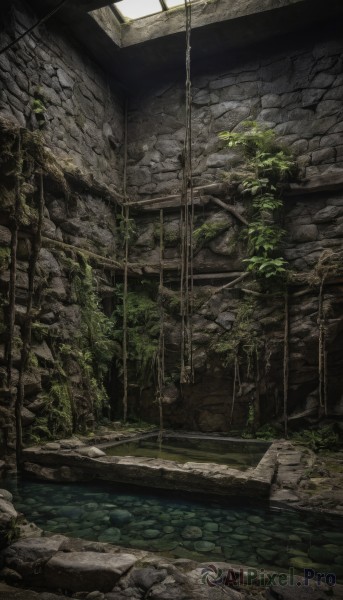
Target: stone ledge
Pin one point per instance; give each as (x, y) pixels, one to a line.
(202, 478)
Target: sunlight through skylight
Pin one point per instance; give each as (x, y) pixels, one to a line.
(135, 9)
(173, 3)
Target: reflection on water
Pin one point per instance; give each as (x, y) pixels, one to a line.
(179, 527)
(237, 454)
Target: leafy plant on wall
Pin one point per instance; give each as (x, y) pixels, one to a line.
(268, 166)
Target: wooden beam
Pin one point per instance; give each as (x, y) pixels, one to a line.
(231, 210)
(212, 188)
(322, 183)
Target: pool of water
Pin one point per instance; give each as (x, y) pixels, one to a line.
(238, 454)
(181, 527)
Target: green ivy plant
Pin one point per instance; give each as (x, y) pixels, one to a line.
(267, 168)
(143, 331)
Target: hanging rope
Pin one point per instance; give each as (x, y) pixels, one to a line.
(27, 326)
(125, 216)
(322, 358)
(286, 365)
(160, 355)
(13, 268)
(186, 223)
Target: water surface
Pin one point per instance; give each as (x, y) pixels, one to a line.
(182, 527)
(237, 454)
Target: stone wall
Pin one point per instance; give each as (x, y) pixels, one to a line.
(82, 118)
(313, 241)
(298, 93)
(50, 86)
(70, 249)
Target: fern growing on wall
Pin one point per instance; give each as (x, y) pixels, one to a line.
(267, 168)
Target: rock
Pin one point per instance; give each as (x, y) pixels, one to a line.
(96, 595)
(268, 555)
(5, 236)
(27, 417)
(111, 535)
(255, 519)
(91, 452)
(211, 527)
(21, 555)
(295, 592)
(191, 532)
(7, 513)
(10, 576)
(120, 517)
(327, 214)
(204, 546)
(64, 79)
(151, 534)
(146, 578)
(305, 233)
(84, 571)
(43, 352)
(6, 495)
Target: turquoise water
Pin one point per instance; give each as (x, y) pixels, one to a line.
(179, 527)
(237, 454)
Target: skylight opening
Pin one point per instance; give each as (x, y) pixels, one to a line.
(130, 10)
(136, 9)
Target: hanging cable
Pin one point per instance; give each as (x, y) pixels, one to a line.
(33, 27)
(125, 217)
(186, 223)
(160, 355)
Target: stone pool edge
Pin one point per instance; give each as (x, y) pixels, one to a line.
(210, 479)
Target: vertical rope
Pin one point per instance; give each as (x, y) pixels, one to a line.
(12, 291)
(186, 223)
(125, 215)
(27, 326)
(160, 356)
(235, 380)
(286, 364)
(13, 269)
(322, 358)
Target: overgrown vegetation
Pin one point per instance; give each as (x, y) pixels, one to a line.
(243, 341)
(143, 331)
(207, 232)
(267, 169)
(318, 440)
(95, 345)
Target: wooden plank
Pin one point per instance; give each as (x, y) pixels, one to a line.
(212, 188)
(322, 183)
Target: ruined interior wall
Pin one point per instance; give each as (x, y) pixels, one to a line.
(49, 86)
(298, 94)
(82, 120)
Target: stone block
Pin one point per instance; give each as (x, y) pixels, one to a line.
(64, 79)
(86, 571)
(305, 233)
(327, 214)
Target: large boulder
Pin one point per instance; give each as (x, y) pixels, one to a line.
(86, 571)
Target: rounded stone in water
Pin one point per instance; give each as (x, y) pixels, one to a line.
(190, 532)
(120, 517)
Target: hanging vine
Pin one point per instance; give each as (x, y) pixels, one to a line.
(14, 224)
(186, 223)
(286, 364)
(126, 217)
(27, 326)
(160, 354)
